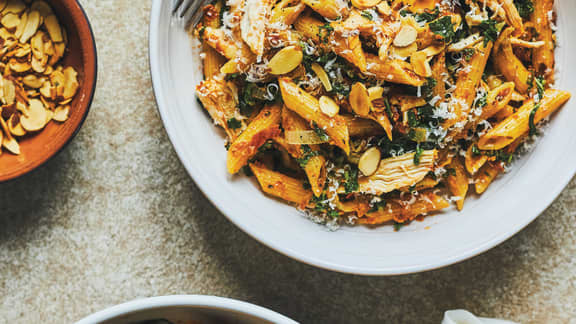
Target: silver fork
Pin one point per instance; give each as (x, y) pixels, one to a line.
(189, 12)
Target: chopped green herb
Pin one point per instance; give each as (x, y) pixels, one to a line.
(321, 133)
(398, 226)
(525, 8)
(418, 154)
(234, 123)
(351, 179)
(428, 87)
(367, 14)
(490, 29)
(324, 32)
(428, 16)
(387, 108)
(307, 154)
(482, 101)
(322, 205)
(500, 155)
(533, 130)
(540, 86)
(444, 28)
(374, 207)
(468, 53)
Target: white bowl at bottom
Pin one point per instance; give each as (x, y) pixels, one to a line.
(182, 309)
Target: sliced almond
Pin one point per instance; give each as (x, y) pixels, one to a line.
(406, 36)
(36, 118)
(61, 113)
(365, 4)
(286, 60)
(14, 125)
(59, 49)
(22, 51)
(328, 106)
(9, 92)
(21, 26)
(70, 83)
(11, 145)
(37, 45)
(10, 21)
(359, 99)
(46, 89)
(57, 80)
(420, 63)
(323, 76)
(14, 6)
(39, 65)
(369, 161)
(403, 52)
(42, 7)
(375, 93)
(384, 8)
(31, 26)
(33, 81)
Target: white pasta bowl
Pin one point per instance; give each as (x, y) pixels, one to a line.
(186, 309)
(511, 203)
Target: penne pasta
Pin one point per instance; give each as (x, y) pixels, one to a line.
(518, 124)
(281, 186)
(457, 182)
(543, 57)
(508, 64)
(265, 126)
(308, 108)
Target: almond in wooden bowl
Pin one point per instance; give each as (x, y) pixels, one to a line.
(47, 80)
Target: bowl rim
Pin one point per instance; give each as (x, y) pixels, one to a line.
(221, 303)
(94, 81)
(547, 198)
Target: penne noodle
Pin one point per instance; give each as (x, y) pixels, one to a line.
(282, 186)
(516, 125)
(382, 119)
(286, 12)
(393, 70)
(331, 9)
(307, 107)
(486, 175)
(457, 182)
(508, 64)
(543, 57)
(265, 126)
(402, 210)
(219, 100)
(362, 127)
(474, 162)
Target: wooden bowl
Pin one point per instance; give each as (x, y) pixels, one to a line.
(38, 148)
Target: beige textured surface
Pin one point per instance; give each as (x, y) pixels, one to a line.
(115, 217)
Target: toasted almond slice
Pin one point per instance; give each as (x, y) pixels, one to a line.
(42, 7)
(328, 106)
(375, 93)
(420, 64)
(67, 101)
(14, 125)
(465, 43)
(22, 51)
(21, 107)
(11, 145)
(57, 79)
(37, 45)
(322, 75)
(22, 25)
(406, 36)
(33, 81)
(9, 92)
(49, 47)
(516, 96)
(70, 83)
(369, 161)
(14, 6)
(365, 4)
(48, 70)
(54, 29)
(49, 116)
(10, 21)
(8, 141)
(6, 35)
(359, 99)
(61, 113)
(36, 118)
(39, 65)
(46, 89)
(384, 8)
(286, 60)
(31, 26)
(403, 52)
